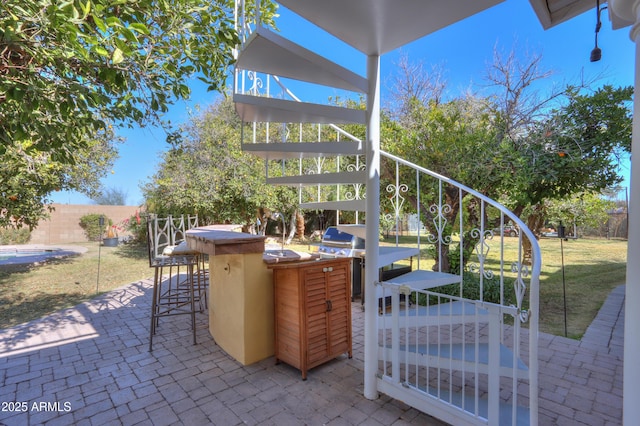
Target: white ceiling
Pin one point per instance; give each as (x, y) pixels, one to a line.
(375, 27)
(553, 12)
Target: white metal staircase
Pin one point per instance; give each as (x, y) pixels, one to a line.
(465, 359)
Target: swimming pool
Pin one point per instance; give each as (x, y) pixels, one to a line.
(17, 255)
(6, 255)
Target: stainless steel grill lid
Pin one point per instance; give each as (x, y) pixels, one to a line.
(340, 244)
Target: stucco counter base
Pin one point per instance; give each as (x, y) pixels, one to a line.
(241, 314)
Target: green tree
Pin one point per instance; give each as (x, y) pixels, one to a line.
(28, 176)
(512, 145)
(208, 173)
(576, 148)
(70, 69)
(455, 139)
(582, 210)
(558, 143)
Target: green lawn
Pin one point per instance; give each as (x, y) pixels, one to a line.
(27, 293)
(593, 267)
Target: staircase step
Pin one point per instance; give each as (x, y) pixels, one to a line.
(467, 401)
(469, 357)
(455, 312)
(262, 109)
(424, 280)
(270, 53)
(346, 205)
(295, 150)
(345, 178)
(391, 254)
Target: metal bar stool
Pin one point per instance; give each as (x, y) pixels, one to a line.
(171, 296)
(203, 269)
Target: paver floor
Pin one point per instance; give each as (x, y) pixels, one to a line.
(90, 365)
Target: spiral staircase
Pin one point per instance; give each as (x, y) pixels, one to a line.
(464, 359)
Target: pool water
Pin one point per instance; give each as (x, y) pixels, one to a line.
(6, 255)
(34, 253)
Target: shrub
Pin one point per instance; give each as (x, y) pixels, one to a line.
(137, 226)
(91, 225)
(14, 236)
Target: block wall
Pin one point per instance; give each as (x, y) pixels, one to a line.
(63, 227)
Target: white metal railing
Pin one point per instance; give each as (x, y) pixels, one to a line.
(491, 310)
(447, 353)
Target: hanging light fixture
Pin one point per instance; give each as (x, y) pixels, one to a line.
(596, 53)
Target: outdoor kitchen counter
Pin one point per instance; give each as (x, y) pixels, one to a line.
(216, 240)
(241, 314)
(240, 303)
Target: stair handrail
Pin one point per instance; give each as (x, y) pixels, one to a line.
(531, 315)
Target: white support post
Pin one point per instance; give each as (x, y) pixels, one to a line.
(372, 228)
(631, 377)
(630, 11)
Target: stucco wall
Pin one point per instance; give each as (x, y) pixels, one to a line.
(63, 226)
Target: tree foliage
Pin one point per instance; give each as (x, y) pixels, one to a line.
(207, 173)
(585, 209)
(557, 143)
(28, 176)
(71, 69)
(575, 148)
(517, 144)
(68, 67)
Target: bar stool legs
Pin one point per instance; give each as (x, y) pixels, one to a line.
(170, 297)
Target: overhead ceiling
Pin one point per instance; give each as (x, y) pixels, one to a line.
(553, 12)
(375, 27)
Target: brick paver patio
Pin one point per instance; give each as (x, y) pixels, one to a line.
(90, 366)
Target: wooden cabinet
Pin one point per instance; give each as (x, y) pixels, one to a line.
(312, 312)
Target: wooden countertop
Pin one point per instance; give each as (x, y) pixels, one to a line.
(220, 239)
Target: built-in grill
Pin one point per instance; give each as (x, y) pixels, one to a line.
(336, 243)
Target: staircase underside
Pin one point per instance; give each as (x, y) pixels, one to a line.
(263, 109)
(376, 27)
(290, 151)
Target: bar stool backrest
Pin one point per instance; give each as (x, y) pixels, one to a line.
(159, 236)
(164, 232)
(177, 229)
(192, 221)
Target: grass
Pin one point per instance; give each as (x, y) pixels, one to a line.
(592, 268)
(29, 292)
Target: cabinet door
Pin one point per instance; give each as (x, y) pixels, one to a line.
(315, 291)
(339, 314)
(287, 317)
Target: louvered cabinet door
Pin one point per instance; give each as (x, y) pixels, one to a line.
(313, 312)
(338, 281)
(288, 317)
(315, 315)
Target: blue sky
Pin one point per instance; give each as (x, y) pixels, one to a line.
(462, 50)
